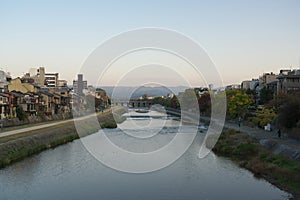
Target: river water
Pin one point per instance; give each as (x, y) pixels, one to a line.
(71, 172)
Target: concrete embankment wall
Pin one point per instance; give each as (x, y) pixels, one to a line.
(282, 149)
(33, 142)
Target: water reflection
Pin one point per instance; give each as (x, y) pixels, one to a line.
(70, 172)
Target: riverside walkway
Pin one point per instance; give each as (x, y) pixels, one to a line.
(47, 125)
(262, 134)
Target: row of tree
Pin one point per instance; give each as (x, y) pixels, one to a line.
(281, 110)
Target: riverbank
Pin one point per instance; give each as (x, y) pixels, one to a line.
(248, 153)
(19, 146)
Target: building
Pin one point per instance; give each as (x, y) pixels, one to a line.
(51, 80)
(267, 78)
(4, 106)
(38, 75)
(254, 85)
(201, 90)
(288, 80)
(231, 87)
(47, 102)
(4, 80)
(29, 105)
(41, 78)
(19, 86)
(79, 85)
(91, 90)
(27, 78)
(272, 86)
(245, 85)
(62, 83)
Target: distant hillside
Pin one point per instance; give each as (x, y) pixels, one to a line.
(121, 92)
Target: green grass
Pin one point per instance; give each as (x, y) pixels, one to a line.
(109, 125)
(280, 161)
(245, 149)
(63, 140)
(19, 154)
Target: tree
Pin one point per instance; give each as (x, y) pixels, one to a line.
(264, 117)
(204, 102)
(238, 103)
(265, 95)
(289, 112)
(145, 97)
(174, 103)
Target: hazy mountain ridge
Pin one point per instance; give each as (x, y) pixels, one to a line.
(123, 92)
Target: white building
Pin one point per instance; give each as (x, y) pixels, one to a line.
(4, 79)
(51, 80)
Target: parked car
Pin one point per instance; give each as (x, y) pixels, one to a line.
(202, 128)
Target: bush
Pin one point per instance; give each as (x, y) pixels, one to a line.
(20, 113)
(246, 149)
(109, 125)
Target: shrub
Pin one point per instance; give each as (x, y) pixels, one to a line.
(246, 149)
(20, 113)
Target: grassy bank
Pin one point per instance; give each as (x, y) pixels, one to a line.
(249, 154)
(17, 147)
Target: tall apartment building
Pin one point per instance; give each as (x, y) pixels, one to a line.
(79, 85)
(51, 80)
(41, 78)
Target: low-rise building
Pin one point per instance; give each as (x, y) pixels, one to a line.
(30, 102)
(47, 101)
(20, 86)
(4, 106)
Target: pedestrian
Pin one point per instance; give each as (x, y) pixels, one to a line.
(239, 122)
(279, 133)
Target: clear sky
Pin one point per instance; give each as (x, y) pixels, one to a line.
(243, 38)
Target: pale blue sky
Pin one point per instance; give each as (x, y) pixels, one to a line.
(243, 38)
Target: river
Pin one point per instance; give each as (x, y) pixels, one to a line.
(71, 172)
